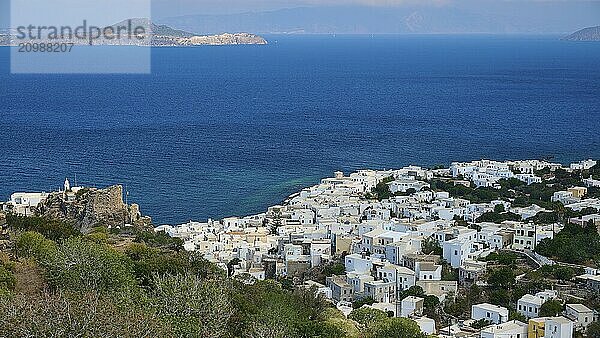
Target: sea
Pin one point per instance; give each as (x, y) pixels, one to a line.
(223, 131)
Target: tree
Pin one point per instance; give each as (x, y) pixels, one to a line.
(500, 297)
(357, 304)
(564, 273)
(159, 239)
(574, 244)
(431, 246)
(382, 189)
(367, 317)
(396, 328)
(550, 308)
(514, 315)
(503, 278)
(502, 257)
(593, 330)
(431, 302)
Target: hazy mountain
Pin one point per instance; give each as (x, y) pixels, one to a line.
(463, 17)
(586, 34)
(160, 30)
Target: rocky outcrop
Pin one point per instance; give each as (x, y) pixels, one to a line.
(90, 208)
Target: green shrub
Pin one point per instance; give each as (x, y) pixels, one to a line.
(82, 265)
(51, 228)
(192, 305)
(34, 245)
(7, 279)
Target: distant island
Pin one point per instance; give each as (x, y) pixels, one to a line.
(161, 36)
(586, 34)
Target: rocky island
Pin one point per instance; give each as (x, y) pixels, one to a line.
(153, 35)
(586, 34)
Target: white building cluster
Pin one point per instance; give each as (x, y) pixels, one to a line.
(383, 242)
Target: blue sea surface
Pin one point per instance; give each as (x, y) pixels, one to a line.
(220, 131)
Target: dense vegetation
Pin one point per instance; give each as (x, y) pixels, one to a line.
(574, 244)
(61, 283)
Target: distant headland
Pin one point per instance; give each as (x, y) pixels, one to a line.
(586, 34)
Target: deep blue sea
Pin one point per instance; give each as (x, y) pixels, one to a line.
(220, 131)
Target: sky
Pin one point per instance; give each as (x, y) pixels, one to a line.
(166, 8)
(547, 15)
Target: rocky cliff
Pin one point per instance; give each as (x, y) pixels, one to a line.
(89, 208)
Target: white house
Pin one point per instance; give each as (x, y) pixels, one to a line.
(427, 325)
(380, 291)
(22, 202)
(357, 281)
(580, 314)
(428, 271)
(590, 182)
(403, 185)
(390, 273)
(358, 263)
(512, 329)
(524, 238)
(320, 288)
(564, 197)
(456, 251)
(583, 165)
(529, 179)
(529, 305)
(492, 313)
(411, 306)
(558, 327)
